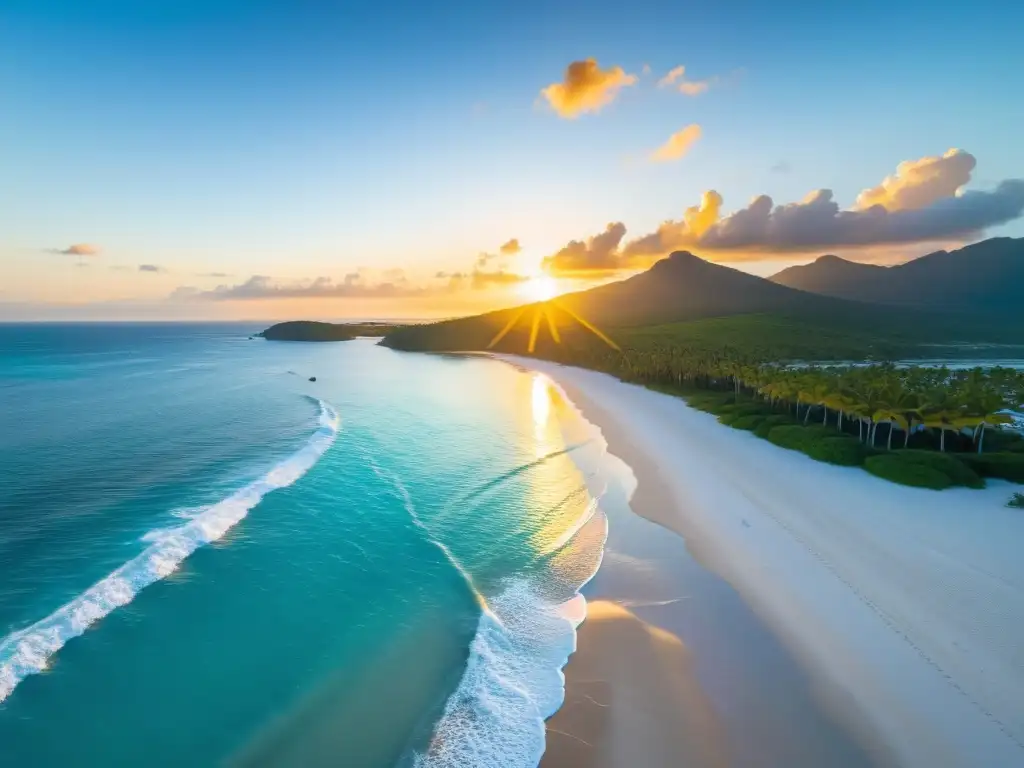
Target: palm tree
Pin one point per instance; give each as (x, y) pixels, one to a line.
(984, 410)
(898, 406)
(943, 412)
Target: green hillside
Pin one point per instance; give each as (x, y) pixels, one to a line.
(687, 303)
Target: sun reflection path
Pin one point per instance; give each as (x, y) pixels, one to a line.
(542, 311)
(540, 406)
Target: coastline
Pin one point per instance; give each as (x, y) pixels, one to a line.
(896, 601)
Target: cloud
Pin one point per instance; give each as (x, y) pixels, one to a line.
(150, 268)
(264, 287)
(586, 88)
(214, 274)
(694, 87)
(919, 183)
(923, 202)
(184, 293)
(393, 275)
(511, 248)
(78, 249)
(678, 144)
(481, 279)
(673, 74)
(782, 167)
(677, 77)
(927, 205)
(352, 286)
(595, 255)
(507, 250)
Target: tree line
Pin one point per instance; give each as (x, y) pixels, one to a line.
(884, 403)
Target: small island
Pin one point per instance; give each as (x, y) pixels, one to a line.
(312, 330)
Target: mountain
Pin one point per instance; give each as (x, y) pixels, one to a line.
(681, 288)
(312, 330)
(984, 277)
(307, 330)
(685, 287)
(828, 271)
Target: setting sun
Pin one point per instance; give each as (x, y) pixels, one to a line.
(540, 288)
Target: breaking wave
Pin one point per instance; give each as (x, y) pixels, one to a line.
(27, 651)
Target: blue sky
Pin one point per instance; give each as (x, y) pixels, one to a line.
(310, 139)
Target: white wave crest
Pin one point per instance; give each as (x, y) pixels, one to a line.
(512, 683)
(513, 679)
(27, 651)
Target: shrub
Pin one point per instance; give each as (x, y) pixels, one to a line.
(951, 466)
(712, 402)
(999, 440)
(797, 437)
(923, 469)
(1005, 466)
(1016, 501)
(749, 422)
(751, 409)
(845, 451)
(896, 469)
(769, 422)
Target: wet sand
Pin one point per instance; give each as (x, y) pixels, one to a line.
(631, 690)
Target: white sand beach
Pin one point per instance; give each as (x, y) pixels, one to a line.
(907, 604)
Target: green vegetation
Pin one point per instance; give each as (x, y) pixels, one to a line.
(868, 415)
(1004, 466)
(819, 443)
(850, 415)
(742, 348)
(311, 330)
(1016, 501)
(892, 467)
(924, 469)
(764, 429)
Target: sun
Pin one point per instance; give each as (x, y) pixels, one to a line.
(539, 288)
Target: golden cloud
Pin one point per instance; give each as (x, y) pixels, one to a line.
(678, 144)
(923, 202)
(677, 77)
(919, 183)
(694, 87)
(78, 249)
(511, 248)
(671, 76)
(593, 256)
(586, 88)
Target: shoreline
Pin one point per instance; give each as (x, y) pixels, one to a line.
(897, 602)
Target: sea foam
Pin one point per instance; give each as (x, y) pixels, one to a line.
(27, 651)
(513, 680)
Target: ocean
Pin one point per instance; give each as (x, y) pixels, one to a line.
(208, 559)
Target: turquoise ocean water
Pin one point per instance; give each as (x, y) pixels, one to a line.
(207, 559)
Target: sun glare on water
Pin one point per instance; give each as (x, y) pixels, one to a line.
(540, 288)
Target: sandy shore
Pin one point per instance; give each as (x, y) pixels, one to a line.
(630, 691)
(906, 606)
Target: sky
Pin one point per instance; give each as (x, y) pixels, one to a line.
(228, 160)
